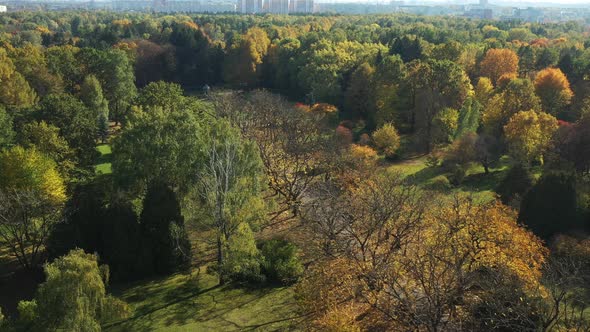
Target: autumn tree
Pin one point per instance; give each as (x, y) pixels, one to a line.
(498, 62)
(290, 140)
(32, 196)
(387, 140)
(553, 88)
(245, 56)
(15, 91)
(529, 134)
(398, 264)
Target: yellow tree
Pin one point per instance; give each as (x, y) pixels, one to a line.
(32, 194)
(552, 86)
(402, 264)
(529, 134)
(14, 89)
(498, 62)
(484, 90)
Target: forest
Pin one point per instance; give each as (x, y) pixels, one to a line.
(221, 172)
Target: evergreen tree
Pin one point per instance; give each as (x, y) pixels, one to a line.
(163, 234)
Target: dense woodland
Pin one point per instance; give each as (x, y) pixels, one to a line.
(392, 173)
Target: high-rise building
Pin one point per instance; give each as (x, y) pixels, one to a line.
(303, 6)
(249, 6)
(483, 2)
(278, 7)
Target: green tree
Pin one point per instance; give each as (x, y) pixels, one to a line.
(231, 183)
(469, 117)
(551, 206)
(360, 90)
(46, 139)
(6, 129)
(76, 123)
(162, 230)
(158, 145)
(437, 85)
(73, 297)
(92, 96)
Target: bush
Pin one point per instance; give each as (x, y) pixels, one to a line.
(458, 174)
(387, 140)
(242, 257)
(280, 264)
(551, 207)
(439, 183)
(515, 185)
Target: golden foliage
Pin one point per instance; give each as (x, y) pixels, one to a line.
(529, 134)
(498, 62)
(553, 87)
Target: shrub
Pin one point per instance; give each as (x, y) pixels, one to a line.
(387, 140)
(280, 264)
(551, 206)
(439, 183)
(515, 185)
(458, 174)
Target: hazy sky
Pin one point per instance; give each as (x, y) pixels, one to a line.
(499, 2)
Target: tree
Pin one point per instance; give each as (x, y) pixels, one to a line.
(158, 145)
(515, 185)
(162, 230)
(553, 88)
(551, 206)
(360, 89)
(292, 142)
(498, 62)
(6, 129)
(32, 195)
(445, 125)
(400, 264)
(73, 297)
(169, 96)
(14, 91)
(387, 140)
(46, 139)
(92, 96)
(484, 90)
(115, 73)
(529, 134)
(245, 56)
(572, 144)
(437, 84)
(230, 183)
(469, 117)
(76, 123)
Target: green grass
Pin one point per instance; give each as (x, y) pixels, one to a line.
(476, 182)
(195, 303)
(103, 165)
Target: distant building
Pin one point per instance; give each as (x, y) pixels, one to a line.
(278, 7)
(3, 9)
(303, 6)
(250, 6)
(483, 3)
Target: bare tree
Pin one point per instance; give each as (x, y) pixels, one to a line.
(26, 221)
(291, 143)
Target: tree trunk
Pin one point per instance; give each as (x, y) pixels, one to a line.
(220, 260)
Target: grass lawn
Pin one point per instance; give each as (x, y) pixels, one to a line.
(195, 303)
(103, 165)
(476, 182)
